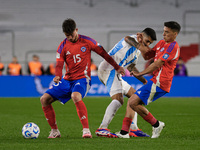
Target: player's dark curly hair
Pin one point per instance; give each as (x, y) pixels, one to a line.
(150, 32)
(173, 25)
(68, 26)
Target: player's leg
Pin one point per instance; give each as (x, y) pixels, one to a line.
(115, 104)
(114, 86)
(108, 116)
(129, 125)
(79, 91)
(58, 91)
(146, 115)
(130, 114)
(145, 95)
(134, 130)
(127, 120)
(49, 113)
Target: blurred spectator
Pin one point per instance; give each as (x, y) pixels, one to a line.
(149, 62)
(35, 67)
(51, 69)
(93, 68)
(180, 69)
(1, 67)
(14, 68)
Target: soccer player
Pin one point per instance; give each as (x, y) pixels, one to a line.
(166, 54)
(126, 55)
(75, 51)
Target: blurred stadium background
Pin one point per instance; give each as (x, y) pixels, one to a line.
(30, 27)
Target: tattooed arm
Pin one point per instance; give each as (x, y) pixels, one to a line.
(133, 68)
(145, 50)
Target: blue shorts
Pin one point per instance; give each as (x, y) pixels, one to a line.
(62, 91)
(149, 92)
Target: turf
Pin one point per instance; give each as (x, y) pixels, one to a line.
(181, 116)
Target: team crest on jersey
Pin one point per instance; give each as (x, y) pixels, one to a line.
(165, 56)
(83, 49)
(162, 49)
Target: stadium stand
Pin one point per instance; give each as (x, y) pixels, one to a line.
(27, 26)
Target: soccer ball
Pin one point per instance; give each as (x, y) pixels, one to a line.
(30, 130)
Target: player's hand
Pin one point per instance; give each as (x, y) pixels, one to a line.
(56, 79)
(135, 74)
(140, 38)
(121, 71)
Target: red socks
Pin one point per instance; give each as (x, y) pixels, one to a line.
(126, 124)
(82, 113)
(50, 116)
(150, 119)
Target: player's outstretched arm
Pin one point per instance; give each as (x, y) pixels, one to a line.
(100, 50)
(134, 69)
(154, 66)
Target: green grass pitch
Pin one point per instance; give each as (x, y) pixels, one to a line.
(181, 116)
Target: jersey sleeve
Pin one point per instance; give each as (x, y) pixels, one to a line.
(170, 53)
(60, 57)
(100, 50)
(152, 52)
(60, 51)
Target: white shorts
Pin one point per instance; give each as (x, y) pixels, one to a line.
(113, 82)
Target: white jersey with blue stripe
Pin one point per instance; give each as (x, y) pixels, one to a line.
(123, 53)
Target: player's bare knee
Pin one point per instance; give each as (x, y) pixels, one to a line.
(118, 97)
(45, 100)
(76, 97)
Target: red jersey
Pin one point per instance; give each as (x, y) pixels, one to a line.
(169, 53)
(77, 57)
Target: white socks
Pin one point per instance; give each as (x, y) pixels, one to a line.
(134, 122)
(110, 113)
